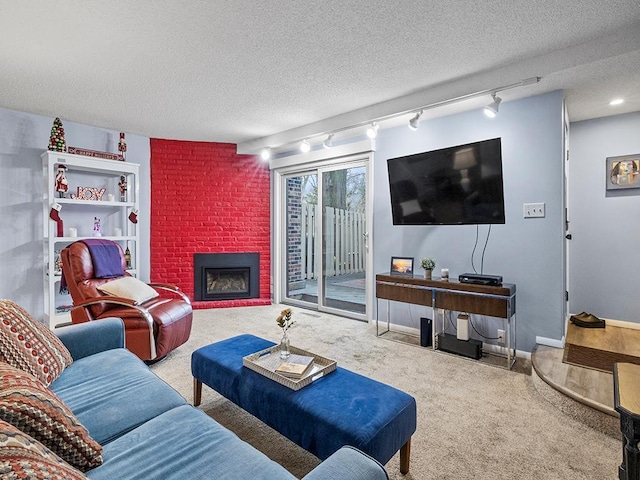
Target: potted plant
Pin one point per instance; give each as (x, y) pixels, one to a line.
(428, 264)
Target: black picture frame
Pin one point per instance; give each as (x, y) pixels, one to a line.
(401, 266)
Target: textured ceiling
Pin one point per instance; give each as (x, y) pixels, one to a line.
(236, 72)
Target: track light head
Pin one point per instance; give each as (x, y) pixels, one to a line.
(305, 146)
(328, 143)
(415, 120)
(372, 130)
(265, 154)
(491, 110)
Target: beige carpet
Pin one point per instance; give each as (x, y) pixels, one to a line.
(475, 421)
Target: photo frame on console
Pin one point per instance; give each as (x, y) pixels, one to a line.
(401, 266)
(623, 172)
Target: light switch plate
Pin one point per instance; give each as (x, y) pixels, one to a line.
(533, 210)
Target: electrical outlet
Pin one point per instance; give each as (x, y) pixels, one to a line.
(533, 210)
(501, 336)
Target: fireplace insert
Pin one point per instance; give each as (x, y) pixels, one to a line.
(226, 276)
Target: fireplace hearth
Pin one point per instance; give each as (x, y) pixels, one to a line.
(226, 276)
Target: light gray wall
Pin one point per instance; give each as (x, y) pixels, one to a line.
(527, 252)
(23, 138)
(604, 265)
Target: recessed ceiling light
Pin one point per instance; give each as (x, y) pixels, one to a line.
(616, 101)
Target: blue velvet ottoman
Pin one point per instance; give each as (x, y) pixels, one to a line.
(342, 408)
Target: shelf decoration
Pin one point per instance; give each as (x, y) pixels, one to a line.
(123, 188)
(127, 256)
(97, 232)
(57, 263)
(61, 182)
(133, 216)
(95, 153)
(89, 193)
(428, 264)
(54, 214)
(57, 142)
(401, 266)
(122, 146)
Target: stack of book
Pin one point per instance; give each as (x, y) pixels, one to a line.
(296, 366)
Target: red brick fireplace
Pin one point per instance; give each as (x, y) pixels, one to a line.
(205, 198)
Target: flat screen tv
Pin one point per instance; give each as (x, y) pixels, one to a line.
(458, 185)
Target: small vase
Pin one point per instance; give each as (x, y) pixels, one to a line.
(427, 274)
(284, 346)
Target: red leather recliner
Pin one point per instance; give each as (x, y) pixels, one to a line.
(152, 329)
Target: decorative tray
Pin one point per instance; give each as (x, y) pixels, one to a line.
(266, 361)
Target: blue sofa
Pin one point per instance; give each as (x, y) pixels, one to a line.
(149, 431)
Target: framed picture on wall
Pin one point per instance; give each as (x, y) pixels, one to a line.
(401, 266)
(623, 172)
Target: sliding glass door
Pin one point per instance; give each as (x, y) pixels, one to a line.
(325, 239)
(344, 238)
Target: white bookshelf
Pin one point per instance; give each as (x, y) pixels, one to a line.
(79, 214)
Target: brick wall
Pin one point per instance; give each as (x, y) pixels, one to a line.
(205, 198)
(294, 233)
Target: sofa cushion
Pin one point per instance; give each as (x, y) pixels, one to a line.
(23, 457)
(30, 406)
(29, 345)
(129, 287)
(113, 392)
(184, 443)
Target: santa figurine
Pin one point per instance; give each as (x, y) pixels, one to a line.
(62, 185)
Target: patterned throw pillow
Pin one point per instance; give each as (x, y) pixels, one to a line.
(29, 345)
(28, 405)
(23, 457)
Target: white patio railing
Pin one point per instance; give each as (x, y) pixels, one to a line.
(344, 241)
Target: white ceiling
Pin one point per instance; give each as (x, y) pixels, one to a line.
(268, 72)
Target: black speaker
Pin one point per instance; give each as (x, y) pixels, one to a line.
(425, 332)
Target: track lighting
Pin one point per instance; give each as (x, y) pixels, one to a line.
(491, 110)
(372, 124)
(413, 123)
(265, 154)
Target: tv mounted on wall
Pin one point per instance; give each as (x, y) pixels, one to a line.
(458, 185)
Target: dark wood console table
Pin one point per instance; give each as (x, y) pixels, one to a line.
(493, 301)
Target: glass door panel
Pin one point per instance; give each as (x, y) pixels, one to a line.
(344, 239)
(301, 206)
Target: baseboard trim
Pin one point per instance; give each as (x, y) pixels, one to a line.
(550, 342)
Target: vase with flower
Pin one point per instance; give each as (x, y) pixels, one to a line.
(285, 322)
